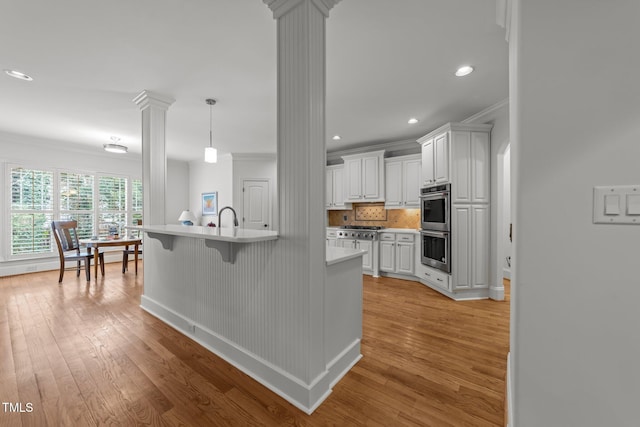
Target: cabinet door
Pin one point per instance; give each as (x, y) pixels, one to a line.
(480, 246)
(480, 167)
(328, 198)
(338, 188)
(371, 177)
(353, 179)
(461, 246)
(393, 184)
(404, 258)
(427, 162)
(387, 256)
(367, 259)
(441, 158)
(411, 183)
(461, 167)
(332, 241)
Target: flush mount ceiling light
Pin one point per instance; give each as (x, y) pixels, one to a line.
(336, 138)
(210, 153)
(465, 70)
(115, 147)
(412, 121)
(18, 75)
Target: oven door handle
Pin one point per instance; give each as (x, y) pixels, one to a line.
(434, 196)
(434, 233)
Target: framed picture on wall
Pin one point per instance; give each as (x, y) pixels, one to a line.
(210, 203)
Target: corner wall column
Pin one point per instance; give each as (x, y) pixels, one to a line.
(154, 156)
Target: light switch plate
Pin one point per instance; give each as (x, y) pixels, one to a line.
(616, 204)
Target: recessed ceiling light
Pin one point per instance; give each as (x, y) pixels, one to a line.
(464, 70)
(336, 138)
(413, 121)
(18, 75)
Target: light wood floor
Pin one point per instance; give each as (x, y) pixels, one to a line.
(87, 355)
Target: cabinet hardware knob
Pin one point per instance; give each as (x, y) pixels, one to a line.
(439, 279)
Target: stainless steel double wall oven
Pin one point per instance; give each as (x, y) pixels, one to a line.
(435, 221)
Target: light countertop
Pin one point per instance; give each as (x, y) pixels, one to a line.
(336, 254)
(400, 230)
(223, 234)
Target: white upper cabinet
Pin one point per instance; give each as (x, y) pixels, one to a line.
(364, 177)
(402, 182)
(335, 189)
(435, 159)
(470, 167)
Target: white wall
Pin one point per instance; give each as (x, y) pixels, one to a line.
(256, 166)
(575, 318)
(177, 188)
(208, 177)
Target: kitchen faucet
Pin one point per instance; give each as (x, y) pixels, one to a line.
(235, 217)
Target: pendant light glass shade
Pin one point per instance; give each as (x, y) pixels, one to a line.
(210, 153)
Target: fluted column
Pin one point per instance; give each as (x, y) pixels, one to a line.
(302, 161)
(154, 155)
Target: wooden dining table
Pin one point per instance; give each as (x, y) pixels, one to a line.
(101, 243)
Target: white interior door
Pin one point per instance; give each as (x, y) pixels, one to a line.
(257, 204)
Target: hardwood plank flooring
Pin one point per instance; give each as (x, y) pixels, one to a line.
(86, 354)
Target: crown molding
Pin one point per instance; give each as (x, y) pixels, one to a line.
(407, 144)
(487, 111)
(254, 156)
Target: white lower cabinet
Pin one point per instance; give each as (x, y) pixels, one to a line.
(397, 253)
(434, 277)
(332, 239)
(366, 245)
(367, 259)
(470, 246)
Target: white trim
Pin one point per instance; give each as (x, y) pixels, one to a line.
(466, 295)
(509, 387)
(406, 144)
(306, 397)
(253, 156)
(487, 111)
(506, 273)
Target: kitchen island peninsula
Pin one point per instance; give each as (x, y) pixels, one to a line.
(222, 287)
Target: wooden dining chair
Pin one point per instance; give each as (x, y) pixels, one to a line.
(128, 251)
(66, 235)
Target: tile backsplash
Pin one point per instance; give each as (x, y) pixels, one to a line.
(375, 214)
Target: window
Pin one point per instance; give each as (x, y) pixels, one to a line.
(136, 200)
(31, 211)
(76, 201)
(112, 204)
(97, 202)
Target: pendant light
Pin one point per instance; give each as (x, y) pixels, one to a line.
(210, 153)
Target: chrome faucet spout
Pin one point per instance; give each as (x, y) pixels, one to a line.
(235, 217)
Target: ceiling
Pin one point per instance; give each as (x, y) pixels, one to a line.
(386, 62)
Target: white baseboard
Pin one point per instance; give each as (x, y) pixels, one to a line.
(470, 295)
(506, 273)
(13, 268)
(509, 393)
(306, 397)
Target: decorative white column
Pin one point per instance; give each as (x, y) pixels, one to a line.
(154, 156)
(301, 164)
